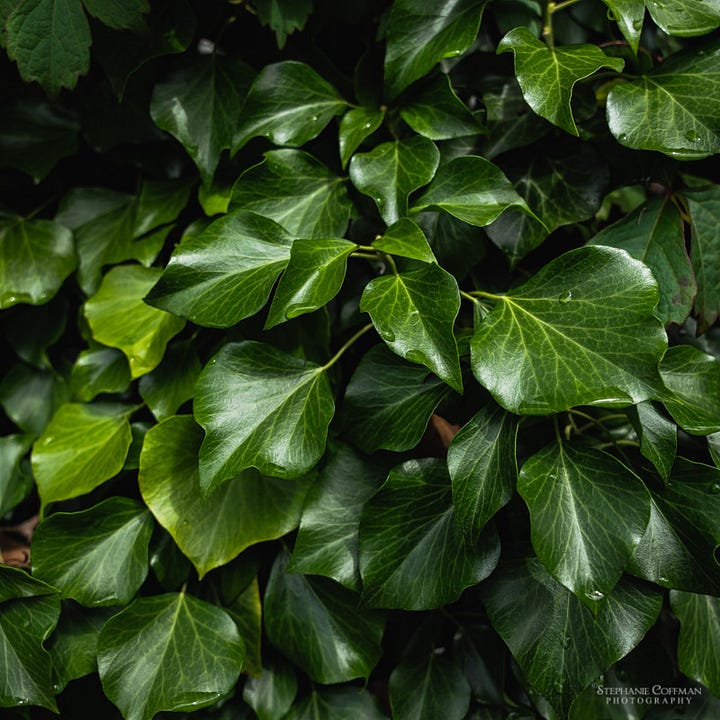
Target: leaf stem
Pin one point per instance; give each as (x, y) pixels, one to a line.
(470, 297)
(342, 350)
(556, 427)
(391, 262)
(482, 293)
(365, 255)
(550, 9)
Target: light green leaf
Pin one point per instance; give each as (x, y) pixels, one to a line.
(98, 556)
(200, 106)
(692, 379)
(289, 104)
(581, 331)
(658, 436)
(337, 703)
(320, 625)
(284, 17)
(654, 233)
(406, 239)
(297, 191)
(559, 644)
(168, 652)
(685, 18)
(414, 312)
(99, 370)
(15, 483)
(272, 693)
(674, 109)
(411, 553)
(356, 125)
(119, 318)
(391, 171)
(388, 402)
(314, 275)
(629, 16)
(422, 32)
(35, 258)
(119, 14)
(81, 448)
(699, 641)
(587, 515)
(547, 75)
(50, 41)
(207, 529)
(225, 273)
(472, 189)
(483, 467)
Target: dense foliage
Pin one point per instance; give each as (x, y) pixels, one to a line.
(360, 359)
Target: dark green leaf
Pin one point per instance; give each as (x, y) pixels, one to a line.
(356, 125)
(581, 331)
(686, 18)
(337, 703)
(99, 370)
(713, 442)
(168, 652)
(629, 15)
(272, 693)
(32, 329)
(246, 611)
(119, 14)
(412, 555)
(284, 17)
(15, 484)
(406, 239)
(658, 437)
(320, 625)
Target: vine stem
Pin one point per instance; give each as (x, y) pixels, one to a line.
(550, 9)
(344, 348)
(470, 297)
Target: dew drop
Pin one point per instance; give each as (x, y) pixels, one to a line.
(565, 297)
(622, 137)
(368, 125)
(11, 298)
(296, 310)
(387, 335)
(595, 595)
(663, 580)
(439, 651)
(417, 357)
(715, 489)
(132, 360)
(637, 24)
(49, 439)
(692, 136)
(379, 200)
(314, 118)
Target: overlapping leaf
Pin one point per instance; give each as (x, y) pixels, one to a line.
(685, 18)
(15, 484)
(337, 702)
(406, 239)
(99, 370)
(356, 125)
(629, 15)
(272, 693)
(658, 436)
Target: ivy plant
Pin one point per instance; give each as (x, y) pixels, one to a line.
(360, 360)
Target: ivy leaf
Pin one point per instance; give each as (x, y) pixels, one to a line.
(97, 556)
(119, 318)
(35, 258)
(297, 191)
(119, 14)
(414, 312)
(685, 18)
(289, 104)
(713, 442)
(99, 370)
(406, 239)
(587, 515)
(206, 529)
(472, 189)
(674, 109)
(548, 75)
(168, 652)
(314, 275)
(388, 402)
(658, 436)
(50, 41)
(699, 641)
(225, 273)
(411, 554)
(15, 484)
(654, 234)
(692, 379)
(333, 703)
(81, 448)
(356, 125)
(391, 171)
(421, 33)
(629, 16)
(320, 626)
(482, 465)
(272, 693)
(579, 332)
(200, 106)
(32, 329)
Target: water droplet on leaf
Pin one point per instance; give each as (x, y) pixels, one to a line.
(595, 595)
(296, 310)
(692, 136)
(565, 297)
(663, 580)
(637, 24)
(368, 125)
(387, 335)
(622, 137)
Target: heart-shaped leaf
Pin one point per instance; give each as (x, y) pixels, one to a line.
(629, 15)
(406, 239)
(99, 370)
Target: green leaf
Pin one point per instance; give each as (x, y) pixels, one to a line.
(50, 41)
(412, 555)
(98, 556)
(168, 652)
(327, 541)
(674, 109)
(207, 529)
(587, 515)
(119, 14)
(472, 189)
(559, 644)
(388, 402)
(314, 275)
(658, 436)
(81, 448)
(35, 258)
(422, 32)
(581, 331)
(119, 318)
(437, 113)
(699, 641)
(685, 18)
(272, 693)
(482, 464)
(406, 239)
(284, 17)
(32, 329)
(225, 273)
(547, 75)
(246, 610)
(654, 234)
(99, 370)
(297, 191)
(414, 312)
(15, 484)
(320, 625)
(200, 106)
(337, 703)
(356, 125)
(391, 171)
(629, 16)
(289, 104)
(692, 379)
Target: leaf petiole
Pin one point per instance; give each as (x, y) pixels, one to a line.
(345, 346)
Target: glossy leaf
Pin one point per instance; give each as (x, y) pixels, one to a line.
(411, 553)
(207, 529)
(658, 437)
(284, 17)
(119, 14)
(99, 370)
(539, 349)
(391, 171)
(337, 703)
(14, 483)
(406, 239)
(629, 15)
(686, 18)
(356, 125)
(168, 652)
(97, 556)
(225, 273)
(272, 693)
(547, 75)
(246, 610)
(320, 626)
